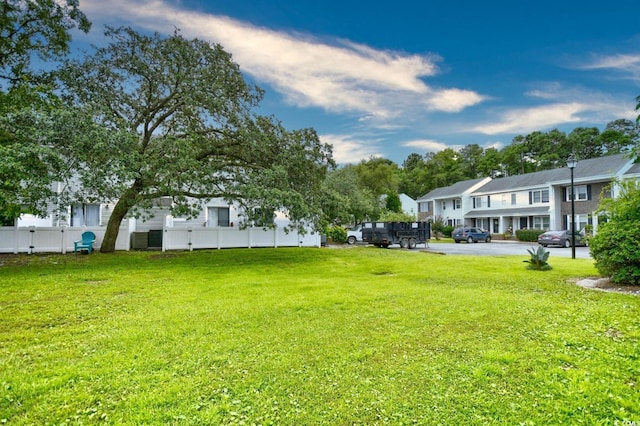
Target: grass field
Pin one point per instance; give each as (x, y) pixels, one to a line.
(357, 336)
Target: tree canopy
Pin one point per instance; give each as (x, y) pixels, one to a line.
(29, 29)
(615, 246)
(168, 116)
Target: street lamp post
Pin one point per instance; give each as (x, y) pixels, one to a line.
(572, 163)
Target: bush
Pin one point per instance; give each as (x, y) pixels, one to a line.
(615, 247)
(337, 234)
(530, 235)
(447, 230)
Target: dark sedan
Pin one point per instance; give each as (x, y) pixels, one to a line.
(560, 238)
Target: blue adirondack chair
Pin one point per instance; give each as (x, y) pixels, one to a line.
(86, 243)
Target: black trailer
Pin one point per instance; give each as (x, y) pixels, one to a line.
(407, 234)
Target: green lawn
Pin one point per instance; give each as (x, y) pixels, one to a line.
(356, 336)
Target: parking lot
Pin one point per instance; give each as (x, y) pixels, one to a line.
(500, 248)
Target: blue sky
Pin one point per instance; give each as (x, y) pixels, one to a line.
(389, 79)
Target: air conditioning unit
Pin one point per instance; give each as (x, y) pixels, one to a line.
(140, 240)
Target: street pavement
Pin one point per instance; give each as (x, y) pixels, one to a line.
(500, 248)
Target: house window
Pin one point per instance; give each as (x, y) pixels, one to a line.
(541, 222)
(457, 203)
(218, 216)
(581, 193)
(513, 199)
(582, 220)
(85, 215)
(541, 196)
(477, 202)
(444, 205)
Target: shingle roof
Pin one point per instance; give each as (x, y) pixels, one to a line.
(593, 167)
(635, 169)
(456, 189)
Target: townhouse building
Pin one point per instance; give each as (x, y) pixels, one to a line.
(539, 200)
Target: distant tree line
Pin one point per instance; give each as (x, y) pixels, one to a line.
(355, 190)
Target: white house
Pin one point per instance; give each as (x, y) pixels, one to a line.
(449, 203)
(540, 200)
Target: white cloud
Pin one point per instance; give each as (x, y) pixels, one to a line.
(626, 63)
(566, 104)
(339, 77)
(350, 149)
(525, 120)
(428, 145)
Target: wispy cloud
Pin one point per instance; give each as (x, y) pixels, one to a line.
(337, 75)
(525, 120)
(428, 145)
(350, 148)
(564, 105)
(626, 64)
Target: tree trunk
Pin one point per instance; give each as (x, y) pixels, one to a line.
(119, 212)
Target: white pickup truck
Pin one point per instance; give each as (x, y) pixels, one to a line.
(354, 234)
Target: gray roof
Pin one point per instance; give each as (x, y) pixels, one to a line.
(454, 190)
(635, 169)
(585, 169)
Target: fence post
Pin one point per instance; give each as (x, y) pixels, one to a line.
(32, 231)
(63, 240)
(16, 236)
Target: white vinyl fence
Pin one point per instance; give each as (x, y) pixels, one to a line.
(60, 239)
(34, 239)
(203, 238)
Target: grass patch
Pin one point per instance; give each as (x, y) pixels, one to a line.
(312, 336)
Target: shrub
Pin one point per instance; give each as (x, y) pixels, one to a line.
(615, 247)
(337, 234)
(538, 260)
(447, 230)
(530, 235)
(437, 227)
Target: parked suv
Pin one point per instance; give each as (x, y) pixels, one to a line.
(471, 234)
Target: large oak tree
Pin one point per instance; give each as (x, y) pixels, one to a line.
(174, 117)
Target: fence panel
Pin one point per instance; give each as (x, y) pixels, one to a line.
(60, 239)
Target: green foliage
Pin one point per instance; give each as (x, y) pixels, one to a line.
(180, 121)
(347, 199)
(538, 259)
(311, 337)
(448, 230)
(381, 176)
(437, 226)
(28, 30)
(615, 246)
(528, 235)
(387, 216)
(337, 234)
(35, 27)
(393, 203)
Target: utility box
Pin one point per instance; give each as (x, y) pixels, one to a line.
(139, 240)
(155, 239)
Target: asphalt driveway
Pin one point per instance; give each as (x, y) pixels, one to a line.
(500, 248)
